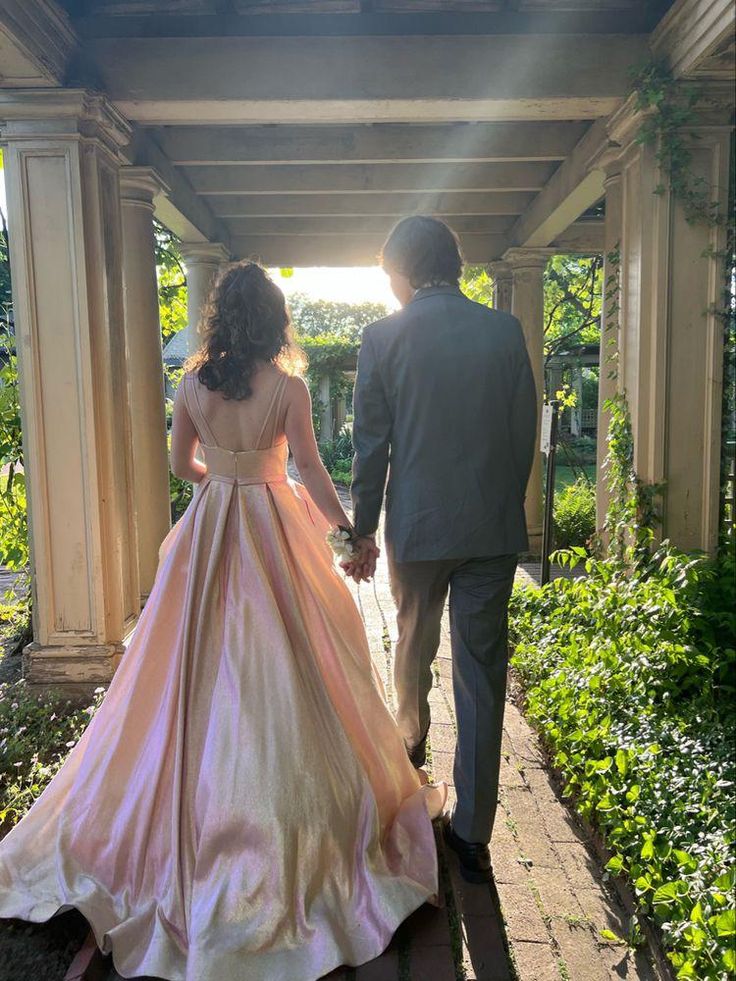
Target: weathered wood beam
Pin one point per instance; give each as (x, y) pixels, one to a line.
(691, 32)
(289, 205)
(203, 20)
(346, 250)
(37, 42)
(369, 178)
(168, 80)
(489, 142)
(571, 190)
(359, 225)
(180, 209)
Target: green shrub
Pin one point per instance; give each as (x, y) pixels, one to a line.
(180, 494)
(13, 513)
(36, 735)
(574, 514)
(338, 453)
(342, 475)
(629, 677)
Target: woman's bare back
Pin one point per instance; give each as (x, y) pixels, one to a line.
(246, 424)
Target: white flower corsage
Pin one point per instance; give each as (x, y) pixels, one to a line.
(342, 542)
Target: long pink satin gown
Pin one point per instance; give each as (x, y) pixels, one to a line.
(241, 807)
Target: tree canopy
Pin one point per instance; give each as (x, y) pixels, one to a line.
(319, 318)
(573, 288)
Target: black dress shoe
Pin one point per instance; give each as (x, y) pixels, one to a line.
(475, 857)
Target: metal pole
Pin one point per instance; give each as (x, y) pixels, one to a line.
(549, 498)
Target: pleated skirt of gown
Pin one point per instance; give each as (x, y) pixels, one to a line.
(241, 806)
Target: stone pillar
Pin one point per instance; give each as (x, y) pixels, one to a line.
(61, 167)
(671, 338)
(203, 261)
(502, 285)
(325, 410)
(576, 416)
(610, 323)
(527, 303)
(555, 376)
(138, 186)
(341, 413)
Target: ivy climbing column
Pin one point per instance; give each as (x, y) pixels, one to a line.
(608, 377)
(671, 338)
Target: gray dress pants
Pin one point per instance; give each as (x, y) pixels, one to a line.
(479, 589)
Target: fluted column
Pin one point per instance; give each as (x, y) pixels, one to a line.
(502, 285)
(610, 323)
(203, 261)
(527, 304)
(62, 178)
(138, 187)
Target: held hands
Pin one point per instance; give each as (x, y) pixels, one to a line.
(361, 566)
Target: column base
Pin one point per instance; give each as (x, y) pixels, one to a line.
(75, 670)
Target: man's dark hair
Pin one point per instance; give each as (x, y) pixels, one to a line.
(425, 250)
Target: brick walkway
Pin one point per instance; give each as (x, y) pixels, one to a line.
(541, 921)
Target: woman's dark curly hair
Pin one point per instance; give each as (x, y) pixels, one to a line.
(244, 324)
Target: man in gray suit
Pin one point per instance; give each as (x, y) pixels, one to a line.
(445, 405)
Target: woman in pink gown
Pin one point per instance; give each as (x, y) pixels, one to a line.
(241, 806)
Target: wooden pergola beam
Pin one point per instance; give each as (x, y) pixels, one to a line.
(369, 178)
(345, 250)
(184, 212)
(571, 190)
(691, 32)
(387, 205)
(168, 80)
(489, 142)
(358, 225)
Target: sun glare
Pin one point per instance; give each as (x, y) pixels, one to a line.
(358, 284)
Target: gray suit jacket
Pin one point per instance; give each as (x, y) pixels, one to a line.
(445, 404)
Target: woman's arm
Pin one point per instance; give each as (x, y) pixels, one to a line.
(184, 442)
(300, 434)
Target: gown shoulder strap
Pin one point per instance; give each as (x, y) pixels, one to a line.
(270, 421)
(191, 398)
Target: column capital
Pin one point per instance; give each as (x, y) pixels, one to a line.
(207, 253)
(503, 278)
(140, 185)
(499, 269)
(528, 258)
(54, 114)
(613, 174)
